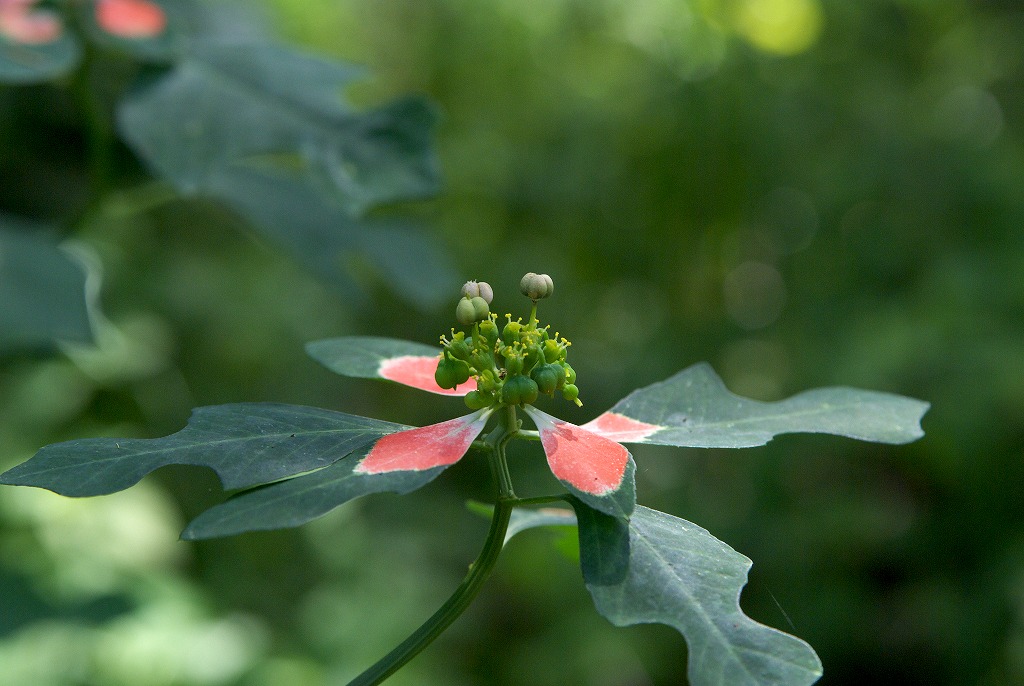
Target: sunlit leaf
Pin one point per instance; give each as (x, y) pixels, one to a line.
(42, 289)
(661, 569)
(372, 357)
(695, 409)
(301, 499)
(245, 444)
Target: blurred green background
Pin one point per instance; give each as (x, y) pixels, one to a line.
(802, 192)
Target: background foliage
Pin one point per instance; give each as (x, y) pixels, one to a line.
(802, 192)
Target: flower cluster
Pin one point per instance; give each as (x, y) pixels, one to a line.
(512, 366)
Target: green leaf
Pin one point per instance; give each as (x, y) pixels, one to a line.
(660, 569)
(245, 444)
(24, 63)
(361, 356)
(265, 130)
(42, 289)
(525, 519)
(695, 409)
(299, 500)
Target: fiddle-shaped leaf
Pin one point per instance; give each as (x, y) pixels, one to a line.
(42, 289)
(246, 444)
(372, 357)
(694, 409)
(657, 568)
(302, 499)
(401, 461)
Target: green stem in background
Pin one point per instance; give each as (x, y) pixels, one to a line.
(99, 129)
(478, 571)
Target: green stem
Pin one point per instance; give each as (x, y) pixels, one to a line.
(478, 571)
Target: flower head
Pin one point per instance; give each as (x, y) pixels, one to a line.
(510, 367)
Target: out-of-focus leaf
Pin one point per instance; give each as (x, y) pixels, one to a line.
(42, 289)
(657, 568)
(525, 519)
(301, 499)
(26, 63)
(246, 444)
(695, 409)
(265, 129)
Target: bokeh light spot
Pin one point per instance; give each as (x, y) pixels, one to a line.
(785, 27)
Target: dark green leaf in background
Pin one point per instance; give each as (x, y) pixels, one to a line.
(23, 63)
(265, 129)
(659, 568)
(246, 444)
(695, 409)
(42, 289)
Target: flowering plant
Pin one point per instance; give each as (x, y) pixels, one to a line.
(639, 565)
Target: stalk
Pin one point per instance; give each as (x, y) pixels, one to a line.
(478, 571)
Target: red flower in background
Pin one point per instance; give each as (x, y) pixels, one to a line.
(131, 18)
(22, 22)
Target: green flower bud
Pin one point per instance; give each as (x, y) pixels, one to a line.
(489, 330)
(519, 390)
(450, 373)
(465, 312)
(570, 373)
(459, 348)
(548, 377)
(571, 393)
(532, 358)
(487, 381)
(510, 334)
(536, 286)
(481, 289)
(480, 310)
(478, 400)
(513, 362)
(551, 351)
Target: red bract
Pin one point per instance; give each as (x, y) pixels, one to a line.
(417, 371)
(619, 427)
(583, 459)
(588, 458)
(131, 18)
(20, 22)
(437, 445)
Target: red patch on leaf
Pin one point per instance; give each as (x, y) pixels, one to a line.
(417, 371)
(585, 460)
(619, 427)
(131, 18)
(437, 445)
(22, 24)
